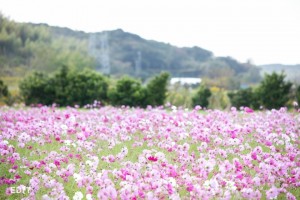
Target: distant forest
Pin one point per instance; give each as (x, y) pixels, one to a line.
(26, 47)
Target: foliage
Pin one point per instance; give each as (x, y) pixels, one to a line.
(225, 82)
(298, 94)
(157, 89)
(218, 99)
(26, 47)
(202, 96)
(292, 72)
(128, 91)
(85, 87)
(243, 97)
(58, 84)
(3, 89)
(34, 89)
(179, 95)
(65, 88)
(273, 91)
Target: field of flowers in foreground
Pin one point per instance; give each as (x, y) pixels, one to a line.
(122, 153)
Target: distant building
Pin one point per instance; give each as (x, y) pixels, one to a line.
(185, 80)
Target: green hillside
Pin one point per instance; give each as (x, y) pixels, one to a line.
(292, 71)
(26, 47)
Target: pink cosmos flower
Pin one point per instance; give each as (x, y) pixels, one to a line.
(248, 110)
(272, 193)
(152, 158)
(57, 163)
(8, 191)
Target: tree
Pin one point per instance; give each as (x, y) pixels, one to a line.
(273, 91)
(243, 97)
(128, 92)
(3, 89)
(34, 89)
(85, 87)
(298, 94)
(59, 84)
(201, 97)
(65, 88)
(157, 89)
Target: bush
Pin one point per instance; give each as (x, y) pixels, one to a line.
(202, 96)
(64, 88)
(157, 89)
(3, 89)
(179, 95)
(298, 94)
(128, 92)
(85, 87)
(34, 89)
(243, 97)
(273, 91)
(59, 84)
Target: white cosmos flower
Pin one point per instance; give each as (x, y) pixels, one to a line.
(72, 119)
(78, 196)
(230, 185)
(173, 182)
(77, 177)
(89, 163)
(68, 142)
(89, 197)
(209, 166)
(160, 155)
(206, 184)
(175, 196)
(5, 142)
(211, 184)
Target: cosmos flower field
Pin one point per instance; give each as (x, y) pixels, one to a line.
(154, 153)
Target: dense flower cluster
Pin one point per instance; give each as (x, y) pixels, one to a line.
(125, 153)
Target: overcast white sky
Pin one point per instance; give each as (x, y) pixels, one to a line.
(266, 31)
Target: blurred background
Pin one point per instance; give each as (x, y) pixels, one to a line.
(217, 54)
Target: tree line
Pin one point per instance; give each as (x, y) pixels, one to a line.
(69, 88)
(273, 92)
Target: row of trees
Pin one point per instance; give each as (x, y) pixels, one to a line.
(69, 88)
(81, 88)
(272, 92)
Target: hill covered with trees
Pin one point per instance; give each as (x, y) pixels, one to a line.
(26, 47)
(292, 71)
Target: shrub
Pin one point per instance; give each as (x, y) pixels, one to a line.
(202, 96)
(85, 87)
(3, 89)
(298, 94)
(64, 88)
(243, 97)
(157, 89)
(34, 89)
(128, 92)
(273, 91)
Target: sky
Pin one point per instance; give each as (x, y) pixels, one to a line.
(262, 31)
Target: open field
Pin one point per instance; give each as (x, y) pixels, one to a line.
(122, 153)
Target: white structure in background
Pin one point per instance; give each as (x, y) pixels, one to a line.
(99, 49)
(105, 60)
(185, 80)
